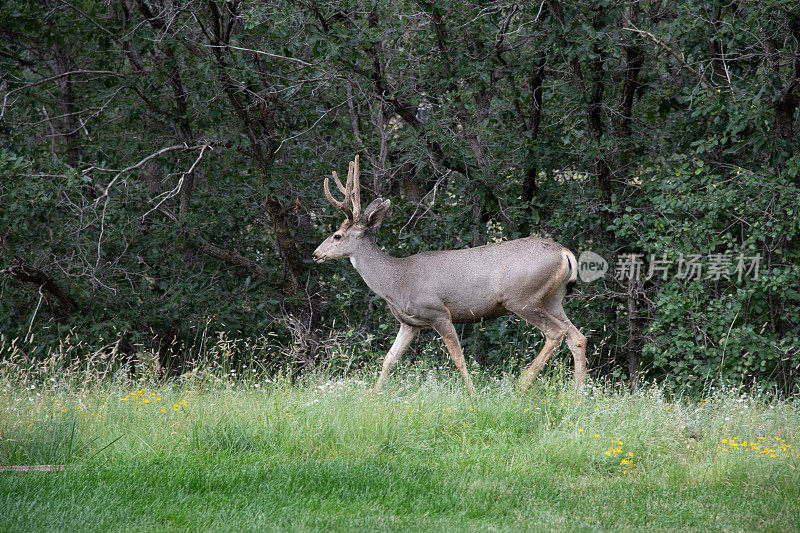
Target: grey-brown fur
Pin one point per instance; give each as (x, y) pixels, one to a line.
(528, 277)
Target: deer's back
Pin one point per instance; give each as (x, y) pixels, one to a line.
(478, 283)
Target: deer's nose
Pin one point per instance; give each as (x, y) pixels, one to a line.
(317, 256)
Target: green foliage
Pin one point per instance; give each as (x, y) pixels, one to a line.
(480, 122)
(718, 324)
(328, 454)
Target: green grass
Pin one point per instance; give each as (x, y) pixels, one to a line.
(327, 454)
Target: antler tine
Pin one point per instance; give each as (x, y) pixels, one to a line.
(339, 183)
(356, 191)
(351, 205)
(329, 196)
(348, 192)
(344, 205)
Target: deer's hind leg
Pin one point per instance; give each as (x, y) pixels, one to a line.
(576, 341)
(554, 331)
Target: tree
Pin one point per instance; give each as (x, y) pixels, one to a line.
(162, 167)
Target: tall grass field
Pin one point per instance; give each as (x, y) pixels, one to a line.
(222, 453)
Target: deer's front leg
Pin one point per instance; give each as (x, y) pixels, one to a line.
(445, 328)
(404, 338)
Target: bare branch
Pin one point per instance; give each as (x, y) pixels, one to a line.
(27, 274)
(260, 52)
(314, 125)
(119, 173)
(672, 52)
(229, 256)
(105, 196)
(52, 78)
(177, 189)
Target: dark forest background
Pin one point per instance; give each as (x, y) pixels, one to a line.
(161, 167)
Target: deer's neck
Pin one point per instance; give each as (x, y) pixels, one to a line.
(375, 266)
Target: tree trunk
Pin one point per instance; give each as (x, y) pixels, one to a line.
(70, 129)
(529, 184)
(633, 346)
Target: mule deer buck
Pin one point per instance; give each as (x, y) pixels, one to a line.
(528, 277)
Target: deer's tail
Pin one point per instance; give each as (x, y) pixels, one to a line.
(572, 263)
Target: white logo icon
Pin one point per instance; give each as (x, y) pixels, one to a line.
(591, 266)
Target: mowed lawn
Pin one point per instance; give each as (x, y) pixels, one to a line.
(328, 454)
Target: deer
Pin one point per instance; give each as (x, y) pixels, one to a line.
(528, 277)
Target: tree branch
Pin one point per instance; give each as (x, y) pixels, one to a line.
(673, 53)
(52, 78)
(228, 256)
(27, 274)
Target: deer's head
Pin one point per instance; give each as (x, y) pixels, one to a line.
(345, 241)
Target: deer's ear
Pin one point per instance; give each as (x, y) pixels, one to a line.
(374, 213)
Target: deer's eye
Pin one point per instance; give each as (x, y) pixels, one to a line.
(337, 237)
